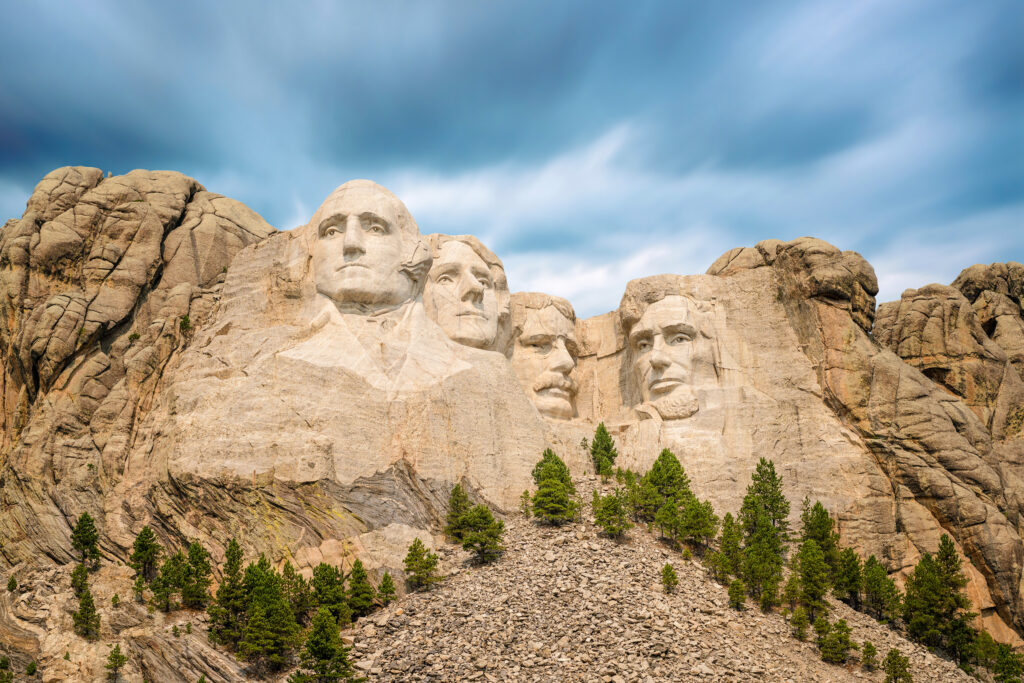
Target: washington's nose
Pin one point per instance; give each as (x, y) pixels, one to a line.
(470, 289)
(354, 238)
(561, 359)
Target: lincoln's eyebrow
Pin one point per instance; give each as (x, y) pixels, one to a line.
(638, 333)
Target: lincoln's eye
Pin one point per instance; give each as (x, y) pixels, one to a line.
(643, 344)
(679, 338)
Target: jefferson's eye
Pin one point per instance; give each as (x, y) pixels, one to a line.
(485, 282)
(444, 279)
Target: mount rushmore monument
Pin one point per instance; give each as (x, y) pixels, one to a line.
(169, 359)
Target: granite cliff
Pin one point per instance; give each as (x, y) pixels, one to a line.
(170, 359)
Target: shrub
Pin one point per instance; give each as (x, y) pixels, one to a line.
(836, 645)
(799, 623)
(482, 534)
(420, 566)
(610, 514)
(386, 589)
(115, 600)
(12, 584)
(525, 503)
(669, 580)
(737, 594)
(896, 667)
(869, 656)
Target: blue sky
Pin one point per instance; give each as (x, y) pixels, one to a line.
(587, 143)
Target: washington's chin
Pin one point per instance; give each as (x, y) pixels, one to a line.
(364, 290)
(553, 403)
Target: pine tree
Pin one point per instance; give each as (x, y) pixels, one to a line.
(669, 519)
(297, 592)
(836, 646)
(195, 584)
(271, 631)
(482, 534)
(896, 667)
(548, 457)
(791, 591)
(79, 580)
(765, 500)
(699, 523)
(799, 623)
(552, 502)
(762, 560)
(644, 499)
(12, 584)
(817, 525)
(737, 594)
(813, 578)
(669, 580)
(715, 565)
(329, 591)
(668, 477)
(145, 555)
(170, 580)
(821, 629)
(360, 591)
(227, 613)
(729, 546)
(602, 451)
(923, 603)
(525, 503)
(458, 506)
(386, 589)
(324, 657)
(848, 578)
(869, 656)
(420, 566)
(85, 539)
(1009, 665)
(139, 588)
(115, 661)
(87, 619)
(610, 514)
(881, 598)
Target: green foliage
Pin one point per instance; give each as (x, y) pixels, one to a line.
(644, 499)
(115, 600)
(560, 470)
(195, 580)
(227, 613)
(79, 580)
(87, 619)
(85, 539)
(170, 581)
(714, 563)
(482, 534)
(817, 525)
(12, 584)
(799, 623)
(896, 667)
(360, 591)
(139, 588)
(329, 591)
(669, 580)
(552, 502)
(821, 629)
(729, 546)
(836, 645)
(791, 591)
(669, 520)
(271, 631)
(935, 604)
(765, 503)
(737, 594)
(297, 592)
(458, 506)
(1009, 665)
(847, 578)
(869, 656)
(602, 451)
(31, 669)
(986, 650)
(420, 566)
(525, 503)
(67, 655)
(145, 555)
(813, 578)
(610, 513)
(668, 478)
(185, 325)
(386, 589)
(324, 657)
(762, 559)
(881, 597)
(699, 523)
(686, 555)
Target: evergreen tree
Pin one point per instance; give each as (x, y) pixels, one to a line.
(986, 650)
(813, 578)
(6, 675)
(482, 534)
(271, 631)
(896, 667)
(869, 656)
(560, 470)
(762, 559)
(85, 539)
(934, 605)
(737, 594)
(458, 506)
(87, 619)
(669, 580)
(821, 629)
(297, 592)
(881, 598)
(386, 589)
(139, 588)
(791, 591)
(836, 645)
(79, 580)
(669, 520)
(668, 478)
(817, 525)
(552, 502)
(525, 503)
(799, 623)
(644, 499)
(1009, 665)
(12, 584)
(360, 591)
(699, 523)
(715, 565)
(602, 451)
(764, 501)
(420, 566)
(610, 514)
(227, 613)
(170, 581)
(324, 658)
(195, 585)
(115, 661)
(729, 546)
(329, 591)
(145, 555)
(847, 578)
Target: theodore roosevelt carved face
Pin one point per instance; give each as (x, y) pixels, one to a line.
(544, 352)
(466, 292)
(367, 251)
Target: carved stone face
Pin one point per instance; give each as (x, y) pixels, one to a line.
(544, 356)
(664, 353)
(460, 296)
(359, 249)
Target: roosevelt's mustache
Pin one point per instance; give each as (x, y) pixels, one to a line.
(554, 380)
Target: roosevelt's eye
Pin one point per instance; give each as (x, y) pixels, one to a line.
(486, 282)
(540, 347)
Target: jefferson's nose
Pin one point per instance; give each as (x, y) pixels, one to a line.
(470, 289)
(561, 359)
(355, 240)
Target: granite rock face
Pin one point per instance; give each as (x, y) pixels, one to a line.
(170, 359)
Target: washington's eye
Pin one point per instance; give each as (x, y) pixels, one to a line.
(331, 232)
(377, 228)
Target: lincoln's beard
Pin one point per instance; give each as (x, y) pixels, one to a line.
(679, 405)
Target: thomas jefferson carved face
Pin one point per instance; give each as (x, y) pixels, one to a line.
(362, 243)
(665, 348)
(544, 356)
(462, 297)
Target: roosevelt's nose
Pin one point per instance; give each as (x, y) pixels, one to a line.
(470, 289)
(561, 359)
(355, 240)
